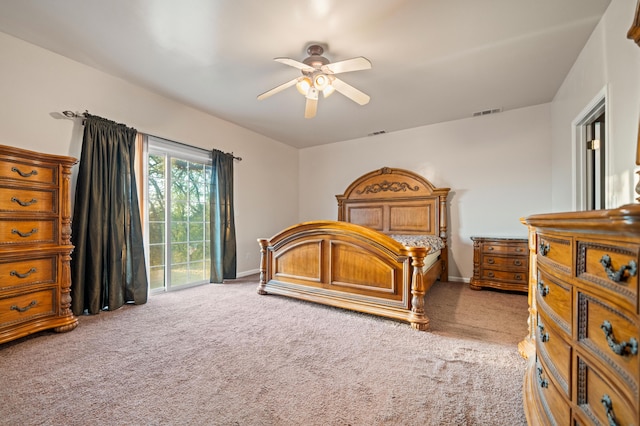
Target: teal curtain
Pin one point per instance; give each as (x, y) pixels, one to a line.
(107, 265)
(223, 229)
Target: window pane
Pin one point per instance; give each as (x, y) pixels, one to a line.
(156, 277)
(178, 253)
(156, 232)
(196, 231)
(156, 254)
(179, 232)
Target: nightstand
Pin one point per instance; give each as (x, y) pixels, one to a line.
(500, 262)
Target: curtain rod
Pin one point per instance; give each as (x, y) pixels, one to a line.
(71, 114)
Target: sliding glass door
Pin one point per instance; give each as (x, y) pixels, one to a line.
(178, 215)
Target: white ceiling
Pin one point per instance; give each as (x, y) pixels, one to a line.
(433, 60)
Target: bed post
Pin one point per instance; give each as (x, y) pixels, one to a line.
(263, 265)
(443, 234)
(418, 319)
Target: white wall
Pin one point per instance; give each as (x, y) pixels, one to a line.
(498, 168)
(609, 62)
(37, 85)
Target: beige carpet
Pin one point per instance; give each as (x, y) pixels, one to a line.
(224, 355)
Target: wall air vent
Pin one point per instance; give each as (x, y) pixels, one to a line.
(379, 132)
(487, 112)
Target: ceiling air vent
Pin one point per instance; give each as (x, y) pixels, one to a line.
(487, 112)
(379, 132)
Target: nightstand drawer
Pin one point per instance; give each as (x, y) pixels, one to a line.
(497, 247)
(512, 263)
(519, 277)
(27, 306)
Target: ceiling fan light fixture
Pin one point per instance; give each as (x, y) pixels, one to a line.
(328, 90)
(303, 85)
(320, 81)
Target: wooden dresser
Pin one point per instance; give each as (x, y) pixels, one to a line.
(501, 263)
(584, 321)
(35, 246)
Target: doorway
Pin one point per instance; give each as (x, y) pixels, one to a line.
(591, 156)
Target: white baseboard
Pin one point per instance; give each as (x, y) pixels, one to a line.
(247, 273)
(459, 280)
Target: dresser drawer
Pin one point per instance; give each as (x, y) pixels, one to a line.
(555, 297)
(28, 231)
(28, 271)
(610, 335)
(612, 267)
(556, 252)
(24, 172)
(20, 200)
(555, 405)
(27, 306)
(555, 352)
(598, 398)
(513, 263)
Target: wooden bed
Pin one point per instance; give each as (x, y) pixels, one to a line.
(354, 262)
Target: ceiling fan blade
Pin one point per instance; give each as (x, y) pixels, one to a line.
(348, 65)
(295, 64)
(310, 108)
(277, 89)
(350, 91)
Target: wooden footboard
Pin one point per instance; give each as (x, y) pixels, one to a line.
(348, 266)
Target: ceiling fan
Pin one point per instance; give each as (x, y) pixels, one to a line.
(318, 75)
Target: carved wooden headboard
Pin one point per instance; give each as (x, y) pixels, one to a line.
(395, 201)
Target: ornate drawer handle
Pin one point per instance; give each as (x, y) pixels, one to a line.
(543, 248)
(25, 275)
(24, 203)
(608, 405)
(544, 337)
(490, 274)
(618, 275)
(26, 308)
(622, 348)
(23, 174)
(542, 382)
(491, 261)
(490, 248)
(543, 289)
(24, 234)
(517, 262)
(518, 277)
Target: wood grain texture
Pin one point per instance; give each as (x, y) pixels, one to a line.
(35, 246)
(352, 263)
(585, 368)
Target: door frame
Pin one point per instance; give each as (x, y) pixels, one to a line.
(590, 112)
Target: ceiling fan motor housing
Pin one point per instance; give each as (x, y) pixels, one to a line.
(315, 59)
